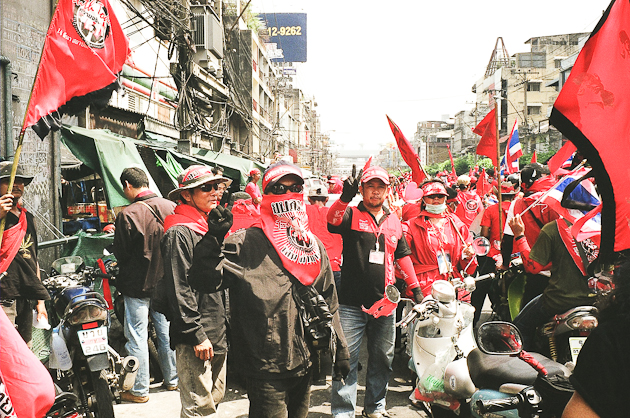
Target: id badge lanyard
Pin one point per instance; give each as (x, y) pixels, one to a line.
(376, 255)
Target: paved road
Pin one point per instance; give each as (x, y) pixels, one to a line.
(235, 404)
(164, 404)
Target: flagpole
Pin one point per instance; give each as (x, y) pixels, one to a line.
(18, 148)
(537, 201)
(496, 121)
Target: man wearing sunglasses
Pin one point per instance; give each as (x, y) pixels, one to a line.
(265, 267)
(198, 320)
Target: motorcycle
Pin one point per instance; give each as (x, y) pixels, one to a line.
(440, 336)
(84, 362)
(511, 382)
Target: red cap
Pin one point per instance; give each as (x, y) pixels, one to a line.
(278, 170)
(253, 172)
(434, 188)
(375, 172)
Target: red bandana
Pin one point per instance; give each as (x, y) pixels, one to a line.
(285, 224)
(188, 216)
(11, 241)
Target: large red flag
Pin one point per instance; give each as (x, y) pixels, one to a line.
(592, 111)
(408, 153)
(487, 128)
(84, 50)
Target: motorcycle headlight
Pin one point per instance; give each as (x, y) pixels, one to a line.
(87, 313)
(586, 322)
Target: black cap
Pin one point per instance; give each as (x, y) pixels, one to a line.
(5, 172)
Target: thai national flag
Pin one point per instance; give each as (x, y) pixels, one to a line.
(586, 193)
(513, 151)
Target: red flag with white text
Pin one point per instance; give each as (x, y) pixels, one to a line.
(84, 50)
(487, 128)
(409, 155)
(592, 112)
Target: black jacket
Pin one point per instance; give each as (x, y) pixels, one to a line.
(194, 316)
(137, 245)
(267, 333)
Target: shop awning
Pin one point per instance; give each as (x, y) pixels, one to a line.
(107, 154)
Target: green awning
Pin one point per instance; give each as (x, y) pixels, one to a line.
(171, 166)
(234, 167)
(108, 155)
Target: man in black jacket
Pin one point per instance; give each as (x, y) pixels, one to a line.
(198, 320)
(265, 267)
(139, 229)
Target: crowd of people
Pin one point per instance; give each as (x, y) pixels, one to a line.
(277, 283)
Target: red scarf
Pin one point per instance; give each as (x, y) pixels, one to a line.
(589, 246)
(188, 216)
(11, 241)
(285, 223)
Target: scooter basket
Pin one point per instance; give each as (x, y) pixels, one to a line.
(555, 392)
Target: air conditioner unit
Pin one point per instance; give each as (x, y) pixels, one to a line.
(208, 33)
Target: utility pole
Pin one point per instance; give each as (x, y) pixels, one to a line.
(184, 57)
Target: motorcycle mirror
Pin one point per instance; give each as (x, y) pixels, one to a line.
(392, 293)
(481, 246)
(500, 338)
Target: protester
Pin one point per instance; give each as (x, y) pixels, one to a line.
(602, 374)
(267, 268)
(139, 229)
(252, 187)
(198, 320)
(18, 256)
(568, 285)
(491, 229)
(470, 204)
(372, 239)
(439, 240)
(535, 180)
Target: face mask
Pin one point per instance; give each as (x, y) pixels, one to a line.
(435, 209)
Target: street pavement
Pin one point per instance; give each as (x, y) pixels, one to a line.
(165, 404)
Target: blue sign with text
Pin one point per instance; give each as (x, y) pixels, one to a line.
(288, 32)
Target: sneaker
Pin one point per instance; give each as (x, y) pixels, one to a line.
(375, 414)
(170, 387)
(130, 397)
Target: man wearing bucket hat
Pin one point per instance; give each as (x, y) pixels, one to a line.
(372, 240)
(267, 267)
(18, 256)
(198, 320)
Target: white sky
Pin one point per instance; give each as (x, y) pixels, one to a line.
(412, 59)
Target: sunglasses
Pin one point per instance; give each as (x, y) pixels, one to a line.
(282, 189)
(208, 187)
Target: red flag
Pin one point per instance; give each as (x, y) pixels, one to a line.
(84, 50)
(488, 143)
(451, 156)
(592, 111)
(483, 186)
(558, 159)
(368, 163)
(534, 158)
(408, 153)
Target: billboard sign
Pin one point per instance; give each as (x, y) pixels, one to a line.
(288, 32)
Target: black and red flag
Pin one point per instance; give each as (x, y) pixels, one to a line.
(593, 112)
(84, 50)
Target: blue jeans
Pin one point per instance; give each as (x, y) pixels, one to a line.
(136, 331)
(381, 333)
(529, 318)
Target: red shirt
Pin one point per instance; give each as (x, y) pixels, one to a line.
(253, 190)
(333, 243)
(490, 219)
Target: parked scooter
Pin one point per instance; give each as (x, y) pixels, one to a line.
(85, 364)
(440, 336)
(511, 382)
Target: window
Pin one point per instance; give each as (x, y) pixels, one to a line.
(533, 86)
(533, 110)
(531, 60)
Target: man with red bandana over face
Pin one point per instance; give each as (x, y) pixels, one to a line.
(435, 238)
(372, 239)
(265, 266)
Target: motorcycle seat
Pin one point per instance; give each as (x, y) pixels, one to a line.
(492, 371)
